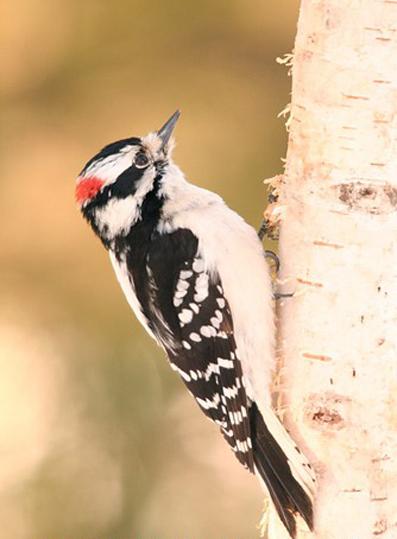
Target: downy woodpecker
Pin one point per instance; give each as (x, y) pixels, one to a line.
(194, 273)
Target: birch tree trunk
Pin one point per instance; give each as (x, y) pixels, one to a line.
(338, 249)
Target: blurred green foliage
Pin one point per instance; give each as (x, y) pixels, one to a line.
(98, 438)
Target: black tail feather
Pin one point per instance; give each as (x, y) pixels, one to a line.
(287, 494)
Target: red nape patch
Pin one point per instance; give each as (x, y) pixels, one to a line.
(87, 188)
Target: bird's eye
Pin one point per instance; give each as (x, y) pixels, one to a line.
(141, 160)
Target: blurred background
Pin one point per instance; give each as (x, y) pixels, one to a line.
(98, 438)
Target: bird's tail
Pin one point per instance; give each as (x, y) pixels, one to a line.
(287, 475)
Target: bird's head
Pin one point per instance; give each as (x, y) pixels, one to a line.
(113, 185)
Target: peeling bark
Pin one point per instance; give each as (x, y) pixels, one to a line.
(338, 250)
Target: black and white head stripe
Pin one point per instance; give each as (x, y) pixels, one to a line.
(110, 153)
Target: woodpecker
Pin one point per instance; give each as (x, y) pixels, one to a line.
(193, 272)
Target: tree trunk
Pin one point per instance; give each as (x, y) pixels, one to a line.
(338, 250)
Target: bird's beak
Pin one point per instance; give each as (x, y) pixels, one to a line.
(166, 131)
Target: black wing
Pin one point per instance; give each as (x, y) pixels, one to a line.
(187, 311)
(191, 318)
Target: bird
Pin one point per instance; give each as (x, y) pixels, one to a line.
(194, 274)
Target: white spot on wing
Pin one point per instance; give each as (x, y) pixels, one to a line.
(194, 307)
(182, 285)
(185, 316)
(215, 322)
(208, 331)
(198, 265)
(235, 418)
(207, 404)
(201, 287)
(212, 368)
(242, 446)
(225, 363)
(230, 392)
(199, 297)
(202, 282)
(195, 337)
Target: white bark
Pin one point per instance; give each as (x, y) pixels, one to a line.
(338, 248)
